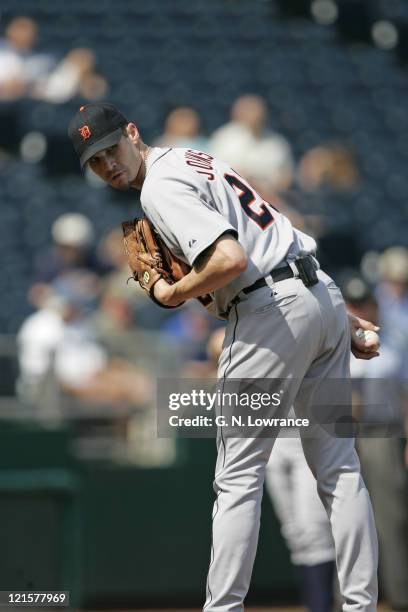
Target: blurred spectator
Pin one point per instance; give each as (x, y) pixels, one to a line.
(20, 65)
(59, 337)
(182, 128)
(392, 295)
(37, 340)
(190, 326)
(74, 75)
(73, 238)
(381, 397)
(262, 157)
(327, 177)
(331, 166)
(93, 87)
(115, 313)
(123, 300)
(208, 367)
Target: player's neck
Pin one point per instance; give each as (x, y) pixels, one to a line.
(137, 183)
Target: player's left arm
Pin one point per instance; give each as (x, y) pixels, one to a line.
(215, 267)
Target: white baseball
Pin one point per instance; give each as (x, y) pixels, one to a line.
(369, 336)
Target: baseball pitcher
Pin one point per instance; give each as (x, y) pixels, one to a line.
(285, 319)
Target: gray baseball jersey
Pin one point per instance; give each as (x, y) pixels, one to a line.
(295, 333)
(192, 199)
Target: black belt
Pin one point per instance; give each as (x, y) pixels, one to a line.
(277, 275)
(280, 274)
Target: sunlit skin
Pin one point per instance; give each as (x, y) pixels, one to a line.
(123, 166)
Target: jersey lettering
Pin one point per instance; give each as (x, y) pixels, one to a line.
(247, 198)
(198, 159)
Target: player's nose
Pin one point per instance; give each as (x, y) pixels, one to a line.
(109, 165)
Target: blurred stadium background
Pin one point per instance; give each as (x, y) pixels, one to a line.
(308, 99)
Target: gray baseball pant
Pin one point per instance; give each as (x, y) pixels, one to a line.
(292, 488)
(298, 333)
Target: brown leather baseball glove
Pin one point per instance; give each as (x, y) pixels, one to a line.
(150, 259)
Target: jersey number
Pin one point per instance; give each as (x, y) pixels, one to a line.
(247, 197)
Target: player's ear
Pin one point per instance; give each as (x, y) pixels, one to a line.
(133, 133)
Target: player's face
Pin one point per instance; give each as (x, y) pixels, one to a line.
(120, 164)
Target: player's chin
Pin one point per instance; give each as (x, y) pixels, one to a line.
(120, 182)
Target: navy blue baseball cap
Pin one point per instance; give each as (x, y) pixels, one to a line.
(95, 127)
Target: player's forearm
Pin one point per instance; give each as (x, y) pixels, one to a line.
(200, 283)
(225, 261)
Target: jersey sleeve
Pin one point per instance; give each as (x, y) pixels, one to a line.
(183, 218)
